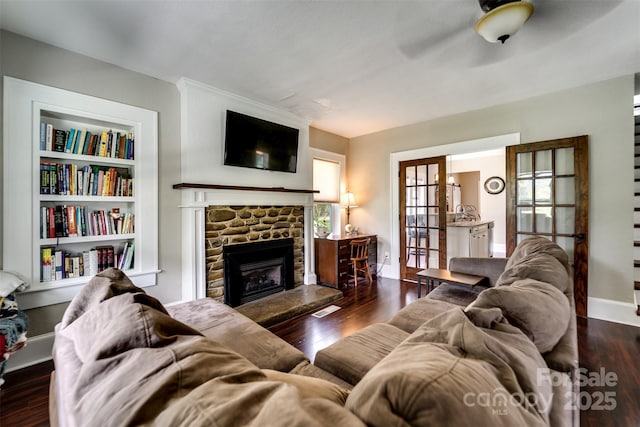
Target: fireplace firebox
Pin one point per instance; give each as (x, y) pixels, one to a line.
(255, 270)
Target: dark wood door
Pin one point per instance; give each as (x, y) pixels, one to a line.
(423, 233)
(548, 195)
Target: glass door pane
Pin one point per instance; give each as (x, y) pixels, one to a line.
(422, 235)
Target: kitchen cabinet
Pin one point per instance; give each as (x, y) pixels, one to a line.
(469, 239)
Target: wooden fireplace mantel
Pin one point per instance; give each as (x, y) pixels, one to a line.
(184, 185)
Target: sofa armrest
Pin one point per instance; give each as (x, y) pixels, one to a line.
(491, 268)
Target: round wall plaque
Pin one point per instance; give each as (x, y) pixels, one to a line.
(494, 185)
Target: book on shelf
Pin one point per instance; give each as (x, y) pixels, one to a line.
(93, 262)
(106, 257)
(48, 271)
(44, 178)
(79, 146)
(71, 135)
(125, 261)
(43, 136)
(59, 140)
(72, 228)
(59, 264)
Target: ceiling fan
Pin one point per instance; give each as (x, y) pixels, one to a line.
(442, 27)
(502, 19)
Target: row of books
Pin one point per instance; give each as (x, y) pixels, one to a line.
(117, 145)
(70, 180)
(74, 221)
(57, 264)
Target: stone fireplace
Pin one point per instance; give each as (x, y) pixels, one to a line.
(217, 215)
(239, 239)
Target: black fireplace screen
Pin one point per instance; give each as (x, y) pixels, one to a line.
(255, 270)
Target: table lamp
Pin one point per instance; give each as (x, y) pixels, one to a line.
(348, 201)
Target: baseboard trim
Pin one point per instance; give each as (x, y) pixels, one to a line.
(37, 350)
(613, 311)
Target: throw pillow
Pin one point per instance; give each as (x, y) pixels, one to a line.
(538, 309)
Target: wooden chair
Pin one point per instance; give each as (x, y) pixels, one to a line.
(360, 258)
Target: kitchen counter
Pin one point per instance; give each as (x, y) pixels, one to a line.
(468, 223)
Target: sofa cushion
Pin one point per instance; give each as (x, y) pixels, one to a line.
(539, 266)
(239, 333)
(538, 309)
(432, 385)
(419, 311)
(452, 372)
(353, 356)
(310, 387)
(308, 370)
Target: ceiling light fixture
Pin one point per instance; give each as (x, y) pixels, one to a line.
(503, 19)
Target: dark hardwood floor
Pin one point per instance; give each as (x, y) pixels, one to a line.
(604, 347)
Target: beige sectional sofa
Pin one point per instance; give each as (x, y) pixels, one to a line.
(503, 355)
(507, 358)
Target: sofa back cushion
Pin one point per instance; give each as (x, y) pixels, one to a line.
(538, 245)
(538, 309)
(491, 268)
(539, 266)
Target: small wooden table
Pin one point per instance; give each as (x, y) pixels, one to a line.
(432, 275)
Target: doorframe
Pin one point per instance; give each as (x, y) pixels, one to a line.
(464, 147)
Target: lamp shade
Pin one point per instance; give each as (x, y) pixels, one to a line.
(349, 200)
(504, 21)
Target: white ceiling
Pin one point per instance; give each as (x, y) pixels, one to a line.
(351, 67)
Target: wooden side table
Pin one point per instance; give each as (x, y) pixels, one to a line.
(332, 258)
(432, 275)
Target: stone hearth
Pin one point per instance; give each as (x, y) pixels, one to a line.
(231, 225)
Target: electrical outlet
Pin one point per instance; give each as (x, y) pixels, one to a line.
(386, 255)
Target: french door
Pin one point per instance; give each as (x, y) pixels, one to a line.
(423, 233)
(548, 195)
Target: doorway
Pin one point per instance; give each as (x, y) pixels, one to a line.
(463, 148)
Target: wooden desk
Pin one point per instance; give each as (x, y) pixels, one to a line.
(432, 275)
(332, 258)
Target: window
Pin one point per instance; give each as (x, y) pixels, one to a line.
(326, 179)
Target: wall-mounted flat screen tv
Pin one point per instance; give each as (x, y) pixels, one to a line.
(255, 143)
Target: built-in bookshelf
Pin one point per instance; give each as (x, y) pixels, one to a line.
(80, 190)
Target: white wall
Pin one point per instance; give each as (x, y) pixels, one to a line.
(202, 146)
(602, 110)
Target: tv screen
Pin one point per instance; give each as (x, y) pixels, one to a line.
(255, 143)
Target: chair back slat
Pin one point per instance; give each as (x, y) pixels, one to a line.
(359, 248)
